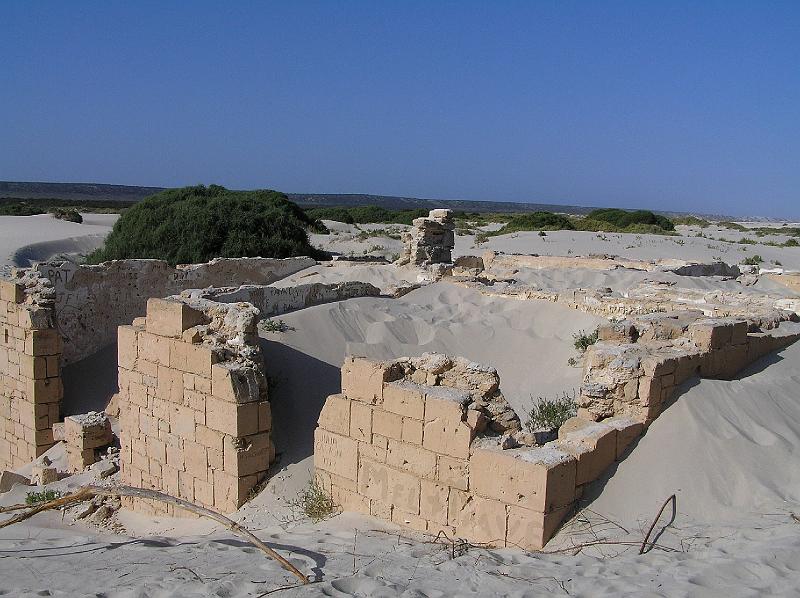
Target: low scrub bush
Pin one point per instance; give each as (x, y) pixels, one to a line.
(68, 214)
(535, 221)
(315, 502)
(753, 260)
(550, 414)
(36, 498)
(583, 341)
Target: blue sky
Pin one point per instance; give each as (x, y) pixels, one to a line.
(665, 105)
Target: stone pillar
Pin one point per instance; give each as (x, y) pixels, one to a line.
(30, 378)
(430, 241)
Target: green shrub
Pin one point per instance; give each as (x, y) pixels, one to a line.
(335, 214)
(753, 260)
(68, 214)
(625, 218)
(691, 221)
(274, 326)
(197, 224)
(791, 243)
(550, 414)
(583, 341)
(535, 221)
(733, 226)
(35, 498)
(315, 502)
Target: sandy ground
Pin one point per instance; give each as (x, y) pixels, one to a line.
(728, 450)
(24, 239)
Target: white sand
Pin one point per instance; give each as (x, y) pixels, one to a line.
(727, 449)
(36, 238)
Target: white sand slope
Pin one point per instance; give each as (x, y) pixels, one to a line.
(27, 238)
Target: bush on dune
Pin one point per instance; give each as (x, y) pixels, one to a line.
(623, 219)
(536, 221)
(197, 224)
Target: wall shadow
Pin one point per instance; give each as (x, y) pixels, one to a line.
(90, 383)
(299, 385)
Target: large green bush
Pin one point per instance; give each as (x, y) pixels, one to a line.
(197, 224)
(536, 221)
(623, 219)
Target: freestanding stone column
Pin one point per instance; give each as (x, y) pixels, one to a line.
(430, 241)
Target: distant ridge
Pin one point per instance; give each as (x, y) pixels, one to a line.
(131, 193)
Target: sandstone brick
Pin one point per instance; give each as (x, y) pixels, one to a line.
(411, 458)
(479, 519)
(412, 431)
(404, 398)
(127, 347)
(386, 424)
(154, 349)
(540, 479)
(361, 422)
(170, 317)
(196, 460)
(242, 457)
(447, 437)
(11, 291)
(231, 418)
(236, 383)
(193, 359)
(372, 452)
(33, 367)
(628, 430)
(349, 500)
(336, 454)
(335, 414)
(362, 379)
(453, 472)
(530, 530)
(410, 520)
(389, 486)
(88, 431)
(433, 501)
(42, 342)
(594, 447)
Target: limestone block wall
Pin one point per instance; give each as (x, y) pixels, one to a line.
(430, 240)
(195, 417)
(410, 443)
(91, 301)
(30, 382)
(272, 301)
(639, 364)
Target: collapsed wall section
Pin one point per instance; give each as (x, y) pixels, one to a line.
(430, 241)
(194, 411)
(30, 378)
(91, 301)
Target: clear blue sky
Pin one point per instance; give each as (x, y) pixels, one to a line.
(665, 105)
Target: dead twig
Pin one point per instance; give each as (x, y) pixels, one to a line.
(90, 492)
(671, 499)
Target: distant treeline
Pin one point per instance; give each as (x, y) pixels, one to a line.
(12, 206)
(610, 220)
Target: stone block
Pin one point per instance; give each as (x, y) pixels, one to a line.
(193, 359)
(88, 431)
(453, 472)
(386, 424)
(231, 418)
(79, 459)
(594, 447)
(404, 398)
(153, 348)
(480, 519)
(411, 458)
(445, 432)
(539, 479)
(363, 380)
(433, 501)
(127, 347)
(335, 415)
(42, 342)
(8, 479)
(361, 422)
(336, 454)
(389, 486)
(531, 530)
(170, 317)
(412, 431)
(42, 475)
(236, 383)
(628, 430)
(33, 367)
(11, 291)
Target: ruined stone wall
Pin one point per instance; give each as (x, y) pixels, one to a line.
(424, 455)
(91, 301)
(416, 443)
(195, 418)
(638, 365)
(430, 240)
(272, 301)
(30, 379)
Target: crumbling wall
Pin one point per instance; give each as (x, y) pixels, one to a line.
(639, 363)
(430, 240)
(91, 301)
(416, 442)
(30, 378)
(195, 418)
(413, 441)
(272, 301)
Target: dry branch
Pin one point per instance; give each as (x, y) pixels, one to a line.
(90, 492)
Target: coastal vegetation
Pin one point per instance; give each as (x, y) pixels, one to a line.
(197, 224)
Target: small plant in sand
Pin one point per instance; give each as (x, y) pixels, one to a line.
(35, 498)
(753, 260)
(542, 233)
(315, 502)
(274, 326)
(583, 341)
(550, 414)
(481, 238)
